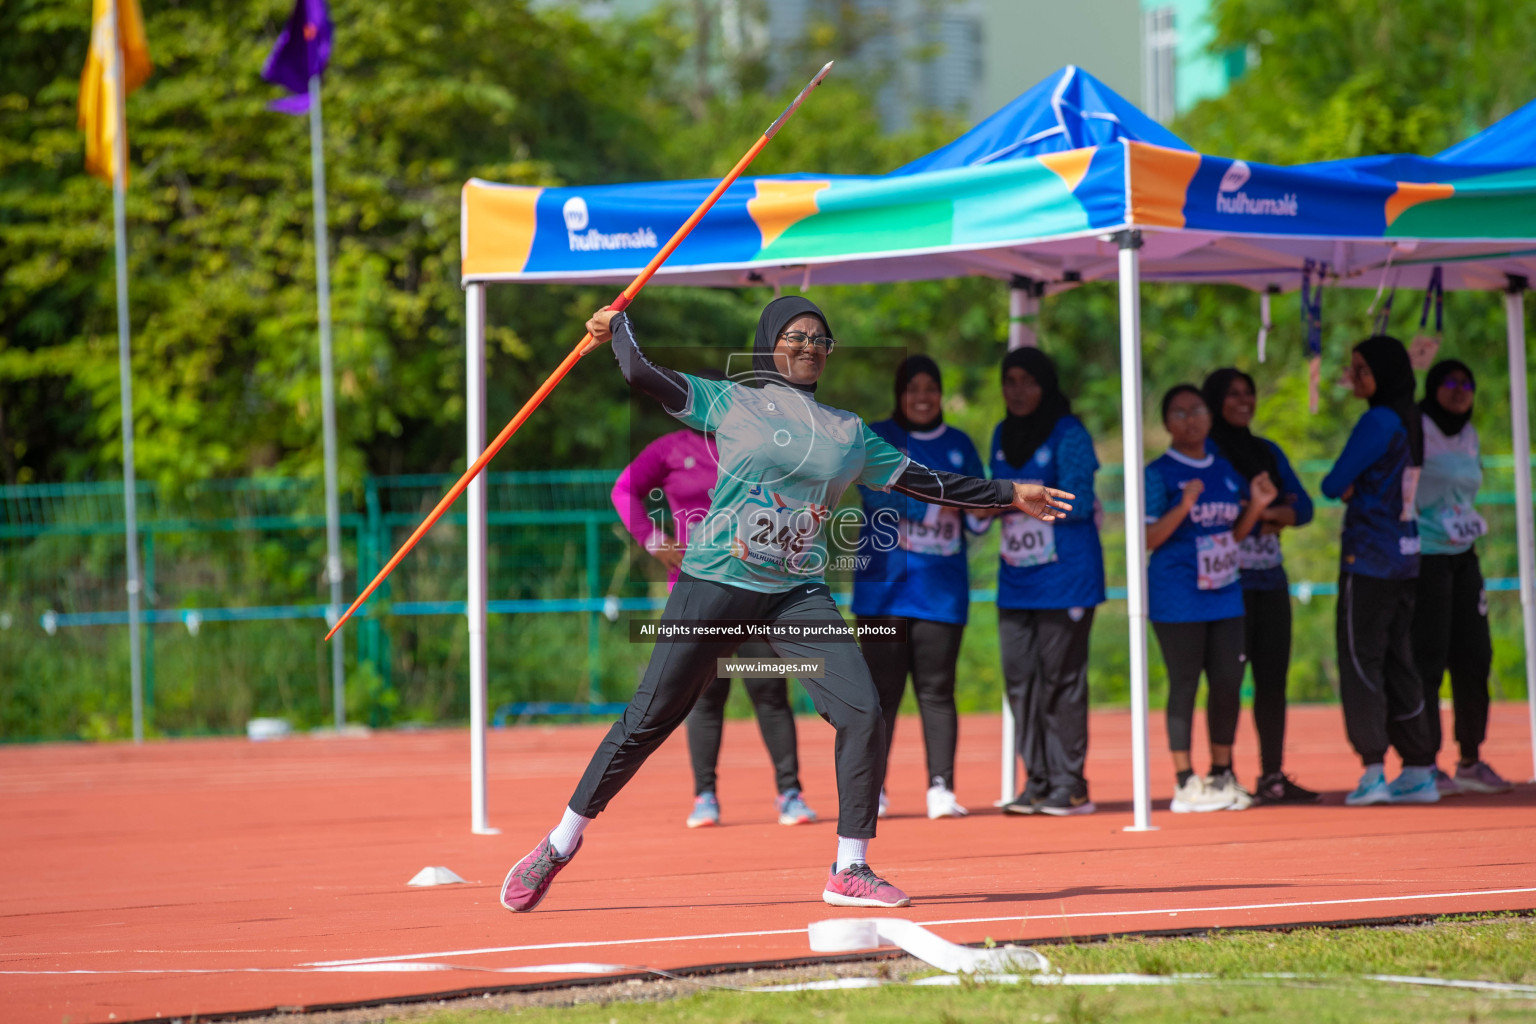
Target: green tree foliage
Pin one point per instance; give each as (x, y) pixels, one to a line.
(1355, 77)
(419, 98)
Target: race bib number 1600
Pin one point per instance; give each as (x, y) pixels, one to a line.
(1216, 561)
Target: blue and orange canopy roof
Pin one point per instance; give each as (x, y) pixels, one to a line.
(1035, 190)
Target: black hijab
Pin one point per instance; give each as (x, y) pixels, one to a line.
(777, 315)
(910, 367)
(1450, 423)
(1248, 454)
(1389, 364)
(1022, 436)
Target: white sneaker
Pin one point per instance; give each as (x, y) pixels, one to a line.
(942, 803)
(1239, 798)
(1196, 797)
(885, 804)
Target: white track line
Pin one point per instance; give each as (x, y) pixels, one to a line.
(1167, 911)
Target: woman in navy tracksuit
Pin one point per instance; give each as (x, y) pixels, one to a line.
(1048, 584)
(1377, 476)
(1231, 397)
(917, 572)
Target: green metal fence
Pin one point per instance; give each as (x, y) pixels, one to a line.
(236, 597)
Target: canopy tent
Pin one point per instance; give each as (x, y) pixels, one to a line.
(1068, 183)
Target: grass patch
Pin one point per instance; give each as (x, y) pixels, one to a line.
(1334, 989)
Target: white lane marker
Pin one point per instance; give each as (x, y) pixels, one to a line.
(571, 968)
(1165, 911)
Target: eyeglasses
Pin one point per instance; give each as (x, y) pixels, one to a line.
(1198, 413)
(799, 340)
(1458, 385)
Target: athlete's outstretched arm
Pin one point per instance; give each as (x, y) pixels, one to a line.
(666, 386)
(970, 492)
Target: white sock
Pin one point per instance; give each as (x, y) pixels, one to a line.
(568, 833)
(851, 852)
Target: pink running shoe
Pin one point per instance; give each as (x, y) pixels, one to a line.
(528, 882)
(858, 886)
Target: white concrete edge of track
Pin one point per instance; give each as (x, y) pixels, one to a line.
(1164, 911)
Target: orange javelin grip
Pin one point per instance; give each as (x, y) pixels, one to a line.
(587, 344)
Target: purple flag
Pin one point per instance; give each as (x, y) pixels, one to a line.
(302, 51)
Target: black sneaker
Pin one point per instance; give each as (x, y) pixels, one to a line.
(1062, 803)
(1277, 788)
(1024, 803)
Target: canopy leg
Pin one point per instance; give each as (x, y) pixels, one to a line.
(1135, 519)
(1520, 414)
(1023, 312)
(474, 414)
(1010, 752)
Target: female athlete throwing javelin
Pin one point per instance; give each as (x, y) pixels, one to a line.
(785, 461)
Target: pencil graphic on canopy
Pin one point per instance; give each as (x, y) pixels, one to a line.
(587, 344)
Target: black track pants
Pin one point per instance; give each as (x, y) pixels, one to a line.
(1450, 631)
(1267, 635)
(1215, 648)
(775, 720)
(679, 671)
(1379, 687)
(1045, 667)
(929, 656)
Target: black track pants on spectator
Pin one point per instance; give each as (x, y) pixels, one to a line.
(929, 656)
(1045, 667)
(1267, 617)
(775, 720)
(1378, 685)
(679, 671)
(1450, 631)
(1216, 648)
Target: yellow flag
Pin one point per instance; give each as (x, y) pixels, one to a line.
(117, 31)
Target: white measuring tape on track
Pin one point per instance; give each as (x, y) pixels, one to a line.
(1041, 915)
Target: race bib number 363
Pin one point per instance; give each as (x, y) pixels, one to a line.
(1462, 524)
(1027, 541)
(1216, 561)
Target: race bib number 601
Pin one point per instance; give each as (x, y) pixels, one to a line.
(1027, 541)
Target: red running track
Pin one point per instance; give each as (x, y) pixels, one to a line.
(199, 877)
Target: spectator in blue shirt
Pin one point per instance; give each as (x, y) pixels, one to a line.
(1048, 585)
(1377, 476)
(1198, 512)
(1231, 397)
(923, 579)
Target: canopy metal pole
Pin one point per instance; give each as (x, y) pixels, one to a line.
(327, 404)
(125, 378)
(1010, 752)
(1023, 313)
(1135, 519)
(1520, 414)
(474, 412)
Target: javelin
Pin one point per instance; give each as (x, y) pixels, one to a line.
(582, 348)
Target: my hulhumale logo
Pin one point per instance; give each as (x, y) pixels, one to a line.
(581, 238)
(1230, 197)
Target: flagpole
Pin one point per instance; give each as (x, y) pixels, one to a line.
(327, 402)
(125, 375)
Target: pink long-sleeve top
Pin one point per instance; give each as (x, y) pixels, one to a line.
(682, 466)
